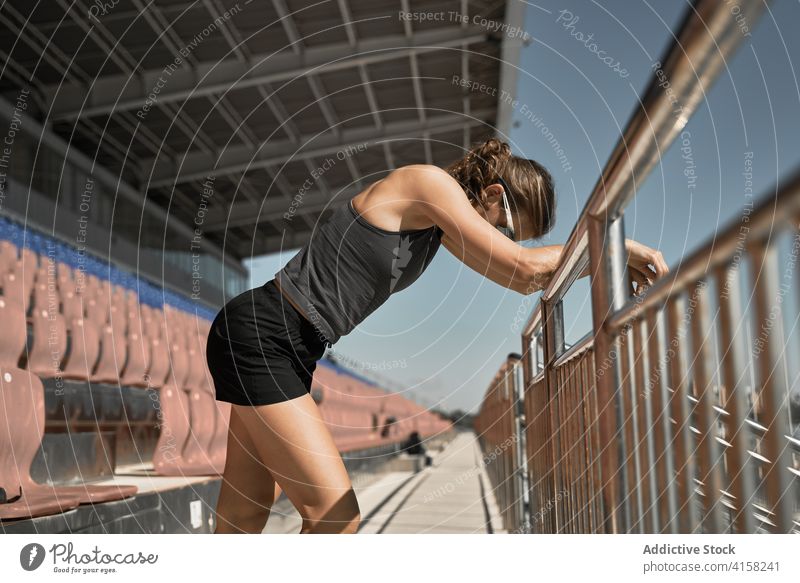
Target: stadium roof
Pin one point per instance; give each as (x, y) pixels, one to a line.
(255, 103)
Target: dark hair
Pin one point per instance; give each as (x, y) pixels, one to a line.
(485, 163)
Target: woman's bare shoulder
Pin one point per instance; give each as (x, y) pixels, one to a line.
(420, 172)
(420, 181)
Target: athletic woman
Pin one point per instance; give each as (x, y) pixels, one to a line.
(264, 344)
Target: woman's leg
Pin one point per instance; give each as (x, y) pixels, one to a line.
(248, 489)
(297, 448)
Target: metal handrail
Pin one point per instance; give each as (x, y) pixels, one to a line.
(763, 220)
(690, 66)
(588, 406)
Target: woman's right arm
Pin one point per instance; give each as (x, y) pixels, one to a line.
(477, 243)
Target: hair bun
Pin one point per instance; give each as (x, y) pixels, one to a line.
(481, 165)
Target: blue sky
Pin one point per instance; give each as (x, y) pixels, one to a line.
(442, 339)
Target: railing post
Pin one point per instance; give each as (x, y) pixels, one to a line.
(553, 332)
(607, 259)
(520, 421)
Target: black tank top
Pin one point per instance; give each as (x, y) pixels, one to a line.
(349, 267)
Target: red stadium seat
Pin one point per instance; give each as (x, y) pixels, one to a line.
(23, 396)
(139, 353)
(45, 297)
(64, 276)
(21, 503)
(112, 356)
(174, 415)
(71, 304)
(8, 256)
(14, 336)
(84, 350)
(49, 344)
(159, 364)
(152, 321)
(197, 459)
(96, 308)
(25, 269)
(197, 451)
(16, 289)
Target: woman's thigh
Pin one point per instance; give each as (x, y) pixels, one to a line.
(298, 450)
(248, 489)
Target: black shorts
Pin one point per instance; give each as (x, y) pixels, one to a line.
(261, 350)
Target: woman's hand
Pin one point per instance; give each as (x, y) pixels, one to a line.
(644, 264)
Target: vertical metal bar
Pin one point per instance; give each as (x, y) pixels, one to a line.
(508, 449)
(523, 491)
(530, 443)
(642, 400)
(661, 428)
(683, 520)
(735, 398)
(710, 455)
(555, 429)
(585, 449)
(630, 463)
(772, 395)
(579, 446)
(595, 444)
(564, 433)
(553, 324)
(564, 444)
(573, 450)
(607, 261)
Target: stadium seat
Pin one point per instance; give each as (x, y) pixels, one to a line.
(64, 276)
(174, 413)
(151, 321)
(16, 289)
(96, 307)
(197, 454)
(159, 363)
(14, 337)
(197, 450)
(71, 304)
(47, 269)
(112, 356)
(139, 350)
(23, 394)
(21, 503)
(84, 350)
(25, 269)
(49, 343)
(8, 256)
(45, 297)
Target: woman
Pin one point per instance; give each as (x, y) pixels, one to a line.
(264, 343)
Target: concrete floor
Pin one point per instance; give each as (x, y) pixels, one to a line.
(451, 496)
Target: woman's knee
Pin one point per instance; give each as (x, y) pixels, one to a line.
(243, 518)
(341, 515)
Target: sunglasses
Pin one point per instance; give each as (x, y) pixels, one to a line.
(508, 230)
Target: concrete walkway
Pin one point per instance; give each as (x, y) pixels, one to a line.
(451, 496)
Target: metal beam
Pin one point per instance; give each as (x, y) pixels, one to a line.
(512, 44)
(122, 93)
(236, 159)
(39, 134)
(274, 209)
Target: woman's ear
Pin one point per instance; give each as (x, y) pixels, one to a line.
(493, 193)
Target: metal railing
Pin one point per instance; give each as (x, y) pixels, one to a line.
(661, 419)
